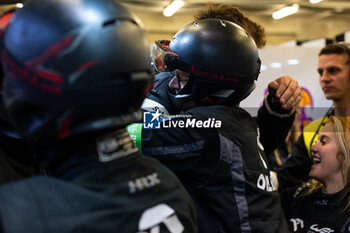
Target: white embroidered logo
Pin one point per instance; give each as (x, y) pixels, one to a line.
(321, 230)
(114, 145)
(144, 182)
(264, 183)
(152, 218)
(296, 222)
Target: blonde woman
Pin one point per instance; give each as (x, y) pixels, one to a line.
(324, 205)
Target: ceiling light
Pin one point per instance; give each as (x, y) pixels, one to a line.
(275, 65)
(315, 1)
(285, 11)
(19, 5)
(292, 61)
(173, 7)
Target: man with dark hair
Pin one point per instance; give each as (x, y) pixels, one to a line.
(76, 73)
(334, 78)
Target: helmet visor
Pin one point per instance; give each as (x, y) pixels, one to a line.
(163, 59)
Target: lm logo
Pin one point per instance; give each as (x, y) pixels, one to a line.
(152, 120)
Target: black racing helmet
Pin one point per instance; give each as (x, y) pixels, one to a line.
(73, 66)
(220, 55)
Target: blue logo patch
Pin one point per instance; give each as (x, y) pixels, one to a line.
(152, 120)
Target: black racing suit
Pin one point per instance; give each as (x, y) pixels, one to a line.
(224, 169)
(316, 212)
(99, 185)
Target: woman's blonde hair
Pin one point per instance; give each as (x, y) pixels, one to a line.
(341, 127)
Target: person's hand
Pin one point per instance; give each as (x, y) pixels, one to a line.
(286, 91)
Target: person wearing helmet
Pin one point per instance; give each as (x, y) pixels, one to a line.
(17, 159)
(211, 144)
(76, 73)
(276, 115)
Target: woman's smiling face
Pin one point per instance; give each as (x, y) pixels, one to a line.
(327, 160)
